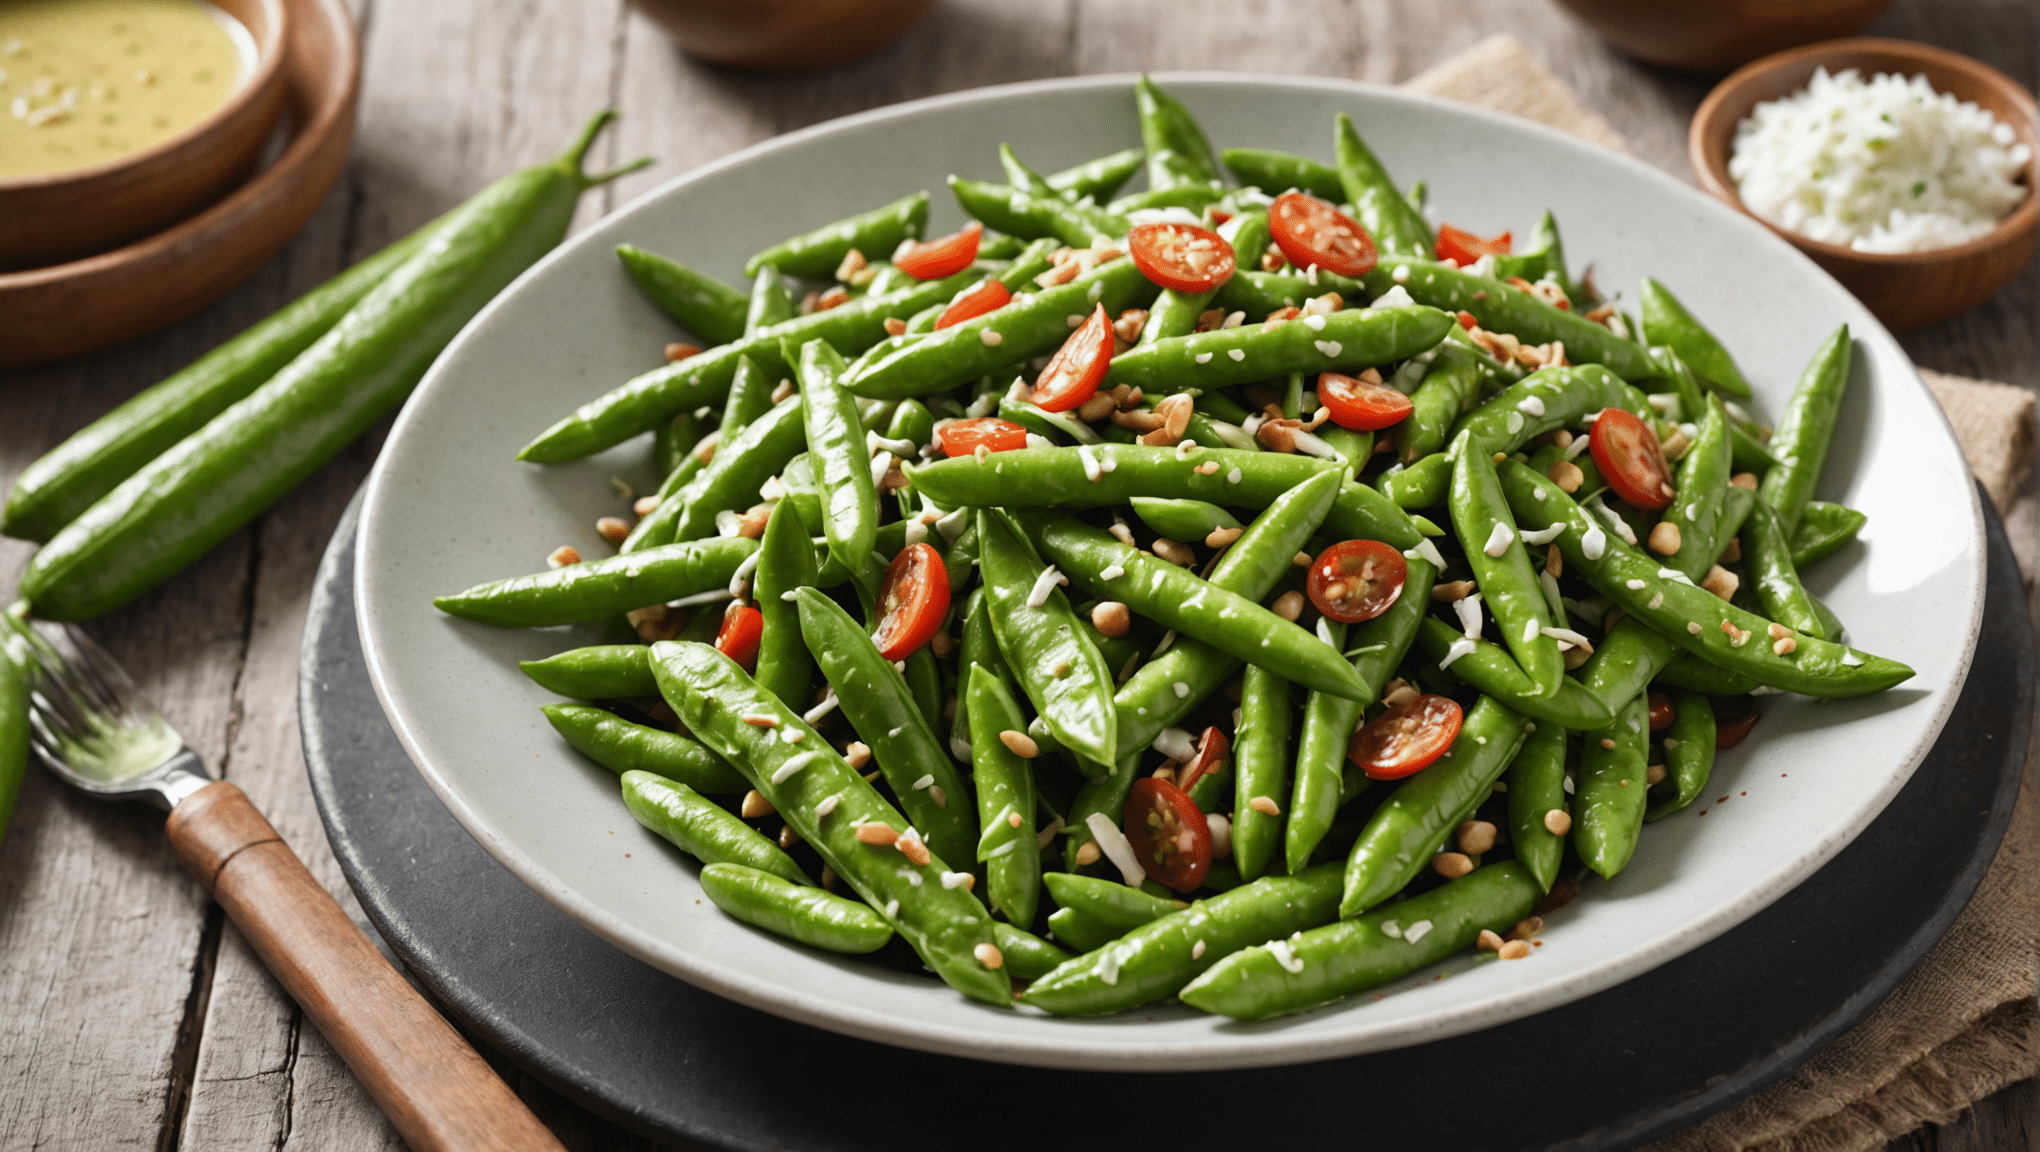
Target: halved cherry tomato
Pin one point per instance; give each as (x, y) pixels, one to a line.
(1627, 452)
(972, 303)
(965, 437)
(1405, 739)
(1661, 713)
(1181, 257)
(742, 627)
(913, 600)
(1464, 247)
(1731, 727)
(943, 256)
(1466, 319)
(1216, 217)
(1211, 750)
(1073, 376)
(1356, 580)
(1310, 231)
(1168, 834)
(1361, 406)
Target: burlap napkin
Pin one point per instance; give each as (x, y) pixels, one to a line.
(1964, 1024)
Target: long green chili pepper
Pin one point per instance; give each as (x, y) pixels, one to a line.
(702, 304)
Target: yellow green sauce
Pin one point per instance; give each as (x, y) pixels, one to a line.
(85, 82)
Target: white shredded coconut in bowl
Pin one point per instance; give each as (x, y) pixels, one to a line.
(1879, 165)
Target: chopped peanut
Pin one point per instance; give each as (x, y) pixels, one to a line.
(1487, 941)
(755, 805)
(1558, 822)
(1173, 552)
(1088, 853)
(1476, 837)
(1020, 744)
(612, 529)
(1567, 476)
(1451, 865)
(879, 834)
(1289, 605)
(1721, 582)
(1515, 950)
(679, 352)
(1111, 618)
(1664, 539)
(894, 326)
(562, 556)
(1744, 480)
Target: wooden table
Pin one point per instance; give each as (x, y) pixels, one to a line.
(134, 1016)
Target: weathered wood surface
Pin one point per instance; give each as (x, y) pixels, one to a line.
(136, 1018)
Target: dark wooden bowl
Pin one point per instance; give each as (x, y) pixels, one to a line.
(68, 309)
(61, 216)
(1709, 37)
(783, 35)
(1905, 290)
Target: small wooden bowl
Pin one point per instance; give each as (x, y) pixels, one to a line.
(1710, 37)
(50, 313)
(783, 35)
(1905, 290)
(65, 215)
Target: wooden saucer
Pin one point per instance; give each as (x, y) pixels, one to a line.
(69, 309)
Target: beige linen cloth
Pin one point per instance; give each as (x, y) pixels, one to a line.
(1964, 1024)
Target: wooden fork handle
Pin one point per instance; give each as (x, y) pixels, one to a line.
(436, 1089)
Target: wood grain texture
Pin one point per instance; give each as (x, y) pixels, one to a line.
(137, 1019)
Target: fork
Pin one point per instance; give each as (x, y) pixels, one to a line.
(98, 732)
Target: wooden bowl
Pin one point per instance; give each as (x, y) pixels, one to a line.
(1905, 290)
(1710, 37)
(783, 35)
(50, 313)
(60, 216)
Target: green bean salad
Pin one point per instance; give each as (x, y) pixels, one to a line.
(1238, 591)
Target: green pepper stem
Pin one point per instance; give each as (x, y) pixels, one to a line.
(577, 154)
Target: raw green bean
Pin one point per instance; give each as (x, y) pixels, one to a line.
(1346, 340)
(1319, 776)
(1450, 388)
(1261, 758)
(1111, 903)
(598, 589)
(1177, 151)
(842, 463)
(602, 672)
(1043, 645)
(1666, 321)
(702, 828)
(1689, 752)
(1823, 528)
(730, 481)
(1612, 787)
(1027, 956)
(1097, 179)
(1399, 230)
(1185, 520)
(1278, 172)
(1080, 930)
(1806, 429)
(1501, 567)
(769, 304)
(1005, 794)
(1545, 400)
(702, 304)
(1536, 789)
(1061, 477)
(807, 915)
(1499, 307)
(1488, 668)
(1016, 211)
(875, 233)
(1690, 672)
(1767, 560)
(786, 561)
(621, 746)
(1424, 484)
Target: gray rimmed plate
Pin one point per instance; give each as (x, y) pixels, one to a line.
(449, 506)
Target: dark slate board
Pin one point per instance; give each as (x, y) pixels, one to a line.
(1634, 1062)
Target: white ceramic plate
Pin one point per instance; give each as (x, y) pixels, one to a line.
(449, 507)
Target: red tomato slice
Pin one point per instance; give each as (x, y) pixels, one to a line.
(965, 437)
(1211, 750)
(1310, 231)
(1661, 713)
(913, 600)
(1405, 739)
(1168, 834)
(972, 303)
(742, 627)
(1181, 257)
(941, 257)
(1466, 319)
(1361, 406)
(1627, 452)
(1079, 366)
(1356, 580)
(1465, 247)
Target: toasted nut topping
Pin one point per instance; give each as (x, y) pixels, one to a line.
(1129, 324)
(1265, 806)
(1452, 590)
(1220, 537)
(645, 505)
(752, 524)
(678, 352)
(828, 878)
(894, 326)
(1137, 419)
(780, 395)
(1744, 480)
(1733, 552)
(910, 846)
(1088, 853)
(1777, 631)
(879, 834)
(858, 754)
(1175, 413)
(1558, 822)
(1098, 407)
(1785, 647)
(787, 836)
(612, 529)
(1173, 552)
(1654, 775)
(1515, 950)
(1289, 605)
(755, 805)
(1111, 618)
(1020, 744)
(1487, 941)
(1721, 582)
(563, 555)
(1166, 772)
(1607, 743)
(1567, 476)
(853, 263)
(988, 954)
(1576, 656)
(1664, 539)
(1526, 928)
(1451, 865)
(1676, 444)
(1554, 561)
(835, 297)
(656, 622)
(1476, 837)
(936, 794)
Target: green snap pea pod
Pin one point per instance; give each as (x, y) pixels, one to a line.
(1501, 566)
(1032, 261)
(1277, 172)
(769, 304)
(803, 491)
(1403, 834)
(1702, 496)
(1450, 387)
(1356, 447)
(1801, 442)
(1688, 615)
(1488, 668)
(1061, 477)
(1424, 484)
(976, 647)
(1041, 639)
(702, 828)
(1320, 776)
(176, 507)
(1694, 674)
(1259, 293)
(1248, 234)
(1612, 790)
(876, 701)
(1104, 795)
(911, 422)
(1005, 791)
(1261, 758)
(1205, 429)
(1027, 327)
(1689, 752)
(601, 672)
(1831, 624)
(1174, 314)
(1097, 179)
(71, 477)
(1666, 321)
(1021, 213)
(1194, 197)
(1185, 520)
(816, 254)
(1547, 399)
(1194, 607)
(1501, 308)
(1536, 787)
(1750, 454)
(673, 442)
(601, 588)
(1118, 907)
(702, 304)
(1736, 503)
(1686, 386)
(1361, 513)
(842, 464)
(1020, 176)
(623, 747)
(1377, 647)
(14, 689)
(825, 801)
(1823, 528)
(1398, 229)
(1545, 239)
(641, 402)
(1536, 262)
(996, 245)
(1157, 959)
(807, 915)
(1349, 339)
(1767, 560)
(786, 561)
(1177, 151)
(1629, 658)
(750, 397)
(731, 480)
(656, 527)
(1292, 974)
(1027, 956)
(1080, 930)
